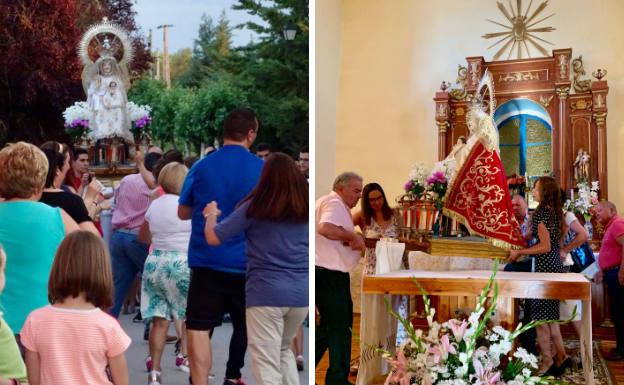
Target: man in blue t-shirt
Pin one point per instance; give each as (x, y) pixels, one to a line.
(218, 273)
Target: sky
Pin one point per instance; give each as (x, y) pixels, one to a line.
(186, 15)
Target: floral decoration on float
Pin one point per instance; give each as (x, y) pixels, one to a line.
(464, 351)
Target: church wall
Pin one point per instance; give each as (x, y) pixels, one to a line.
(328, 46)
(394, 55)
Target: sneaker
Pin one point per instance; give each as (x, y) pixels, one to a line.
(137, 318)
(182, 363)
(148, 364)
(177, 347)
(300, 361)
(153, 378)
(237, 381)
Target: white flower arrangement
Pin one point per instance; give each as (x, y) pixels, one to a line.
(447, 167)
(417, 180)
(136, 112)
(78, 115)
(586, 200)
(419, 173)
(463, 352)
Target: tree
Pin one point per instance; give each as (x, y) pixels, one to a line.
(211, 106)
(146, 91)
(39, 68)
(180, 62)
(164, 113)
(276, 71)
(212, 54)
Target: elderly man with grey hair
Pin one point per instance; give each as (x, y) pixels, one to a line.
(611, 263)
(338, 250)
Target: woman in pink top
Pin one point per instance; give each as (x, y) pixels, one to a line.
(73, 340)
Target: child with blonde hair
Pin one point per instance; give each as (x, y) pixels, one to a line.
(73, 340)
(12, 369)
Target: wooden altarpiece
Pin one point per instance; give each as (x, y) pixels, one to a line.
(577, 108)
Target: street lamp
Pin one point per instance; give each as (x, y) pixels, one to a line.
(290, 30)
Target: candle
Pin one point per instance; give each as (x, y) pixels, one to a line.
(571, 194)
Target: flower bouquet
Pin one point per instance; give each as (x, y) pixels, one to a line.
(463, 352)
(415, 186)
(586, 200)
(76, 119)
(140, 117)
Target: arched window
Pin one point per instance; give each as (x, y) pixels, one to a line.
(525, 132)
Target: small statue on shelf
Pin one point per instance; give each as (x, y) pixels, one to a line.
(581, 166)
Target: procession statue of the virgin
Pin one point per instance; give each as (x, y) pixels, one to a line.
(478, 195)
(105, 51)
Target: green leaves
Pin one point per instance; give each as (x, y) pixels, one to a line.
(269, 76)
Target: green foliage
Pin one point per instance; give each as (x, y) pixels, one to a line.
(277, 72)
(270, 76)
(212, 53)
(211, 106)
(146, 91)
(180, 63)
(164, 114)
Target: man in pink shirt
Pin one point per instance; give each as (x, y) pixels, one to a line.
(338, 250)
(132, 198)
(611, 260)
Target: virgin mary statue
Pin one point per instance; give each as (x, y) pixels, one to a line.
(478, 195)
(106, 81)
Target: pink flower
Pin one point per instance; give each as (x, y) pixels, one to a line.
(442, 350)
(484, 376)
(399, 371)
(458, 328)
(437, 176)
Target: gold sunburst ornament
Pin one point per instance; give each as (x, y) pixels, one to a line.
(521, 30)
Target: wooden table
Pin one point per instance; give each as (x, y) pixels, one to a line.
(377, 328)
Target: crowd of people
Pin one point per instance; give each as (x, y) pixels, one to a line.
(550, 234)
(225, 234)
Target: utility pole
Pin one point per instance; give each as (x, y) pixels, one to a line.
(149, 48)
(166, 73)
(157, 74)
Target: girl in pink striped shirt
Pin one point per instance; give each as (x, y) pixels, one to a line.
(73, 340)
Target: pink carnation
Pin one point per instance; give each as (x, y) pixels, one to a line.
(437, 176)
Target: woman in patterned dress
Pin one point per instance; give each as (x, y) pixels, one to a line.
(547, 228)
(166, 274)
(377, 220)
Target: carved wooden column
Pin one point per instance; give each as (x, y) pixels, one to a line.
(600, 89)
(442, 116)
(560, 135)
(561, 159)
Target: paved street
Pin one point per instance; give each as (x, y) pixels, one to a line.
(138, 351)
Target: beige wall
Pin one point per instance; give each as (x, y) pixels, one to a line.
(328, 45)
(394, 55)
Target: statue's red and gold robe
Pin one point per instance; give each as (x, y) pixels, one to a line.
(478, 197)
